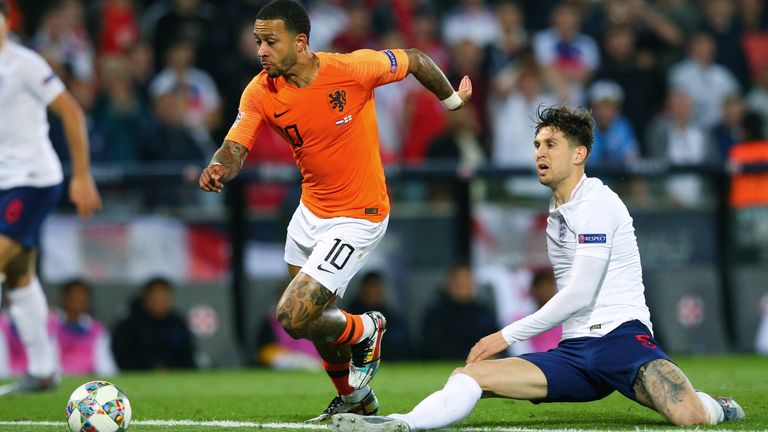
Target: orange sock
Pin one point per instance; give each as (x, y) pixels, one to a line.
(353, 331)
(339, 374)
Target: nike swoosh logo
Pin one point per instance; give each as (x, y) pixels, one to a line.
(320, 267)
(278, 115)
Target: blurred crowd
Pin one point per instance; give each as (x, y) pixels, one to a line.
(161, 79)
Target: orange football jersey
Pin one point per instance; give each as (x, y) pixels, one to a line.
(331, 127)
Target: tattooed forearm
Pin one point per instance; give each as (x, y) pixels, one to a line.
(428, 74)
(231, 155)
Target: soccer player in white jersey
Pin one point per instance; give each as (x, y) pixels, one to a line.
(30, 186)
(607, 343)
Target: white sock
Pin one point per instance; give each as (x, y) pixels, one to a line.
(715, 411)
(29, 311)
(452, 404)
(368, 327)
(357, 395)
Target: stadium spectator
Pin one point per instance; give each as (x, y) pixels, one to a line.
(567, 56)
(202, 110)
(615, 141)
(83, 342)
(707, 83)
(674, 138)
(425, 37)
(729, 130)
(757, 97)
(723, 24)
(390, 115)
(512, 43)
(171, 138)
(63, 41)
(188, 20)
(358, 33)
(471, 20)
(372, 295)
(625, 63)
(118, 27)
(153, 335)
(329, 18)
(517, 94)
(124, 120)
(456, 319)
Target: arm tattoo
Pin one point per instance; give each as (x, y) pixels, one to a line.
(231, 155)
(429, 75)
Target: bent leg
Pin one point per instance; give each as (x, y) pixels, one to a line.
(512, 378)
(662, 386)
(305, 311)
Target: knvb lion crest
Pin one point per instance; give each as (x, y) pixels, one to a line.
(337, 100)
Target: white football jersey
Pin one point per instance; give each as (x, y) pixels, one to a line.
(596, 223)
(27, 86)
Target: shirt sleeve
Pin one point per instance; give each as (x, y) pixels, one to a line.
(594, 233)
(40, 79)
(587, 274)
(249, 120)
(376, 68)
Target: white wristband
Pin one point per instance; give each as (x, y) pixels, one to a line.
(452, 102)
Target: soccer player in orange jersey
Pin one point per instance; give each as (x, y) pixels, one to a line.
(323, 106)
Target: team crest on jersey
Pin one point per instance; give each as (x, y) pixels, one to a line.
(337, 100)
(563, 228)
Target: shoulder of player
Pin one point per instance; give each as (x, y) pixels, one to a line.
(25, 54)
(346, 60)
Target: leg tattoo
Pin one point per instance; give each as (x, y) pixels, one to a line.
(662, 386)
(304, 311)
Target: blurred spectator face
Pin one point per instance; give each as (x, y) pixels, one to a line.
(530, 84)
(180, 56)
(84, 92)
(392, 39)
(543, 287)
(424, 27)
(719, 11)
(606, 111)
(186, 7)
(679, 106)
(733, 110)
(170, 108)
(467, 56)
(566, 21)
(510, 16)
(702, 49)
(620, 43)
(359, 20)
(76, 300)
(141, 60)
(460, 286)
(372, 292)
(158, 300)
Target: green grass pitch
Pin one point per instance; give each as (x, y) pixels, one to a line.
(256, 397)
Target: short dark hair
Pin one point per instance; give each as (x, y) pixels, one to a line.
(576, 124)
(292, 13)
(3, 8)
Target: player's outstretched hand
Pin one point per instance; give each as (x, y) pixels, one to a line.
(465, 90)
(211, 180)
(486, 347)
(84, 195)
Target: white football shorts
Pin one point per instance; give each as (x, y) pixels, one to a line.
(331, 250)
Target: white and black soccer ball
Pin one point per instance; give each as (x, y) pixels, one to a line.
(98, 406)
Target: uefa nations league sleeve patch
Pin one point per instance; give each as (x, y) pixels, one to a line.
(592, 238)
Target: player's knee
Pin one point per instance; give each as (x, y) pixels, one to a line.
(294, 328)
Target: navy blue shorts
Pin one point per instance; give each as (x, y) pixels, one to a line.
(22, 211)
(590, 368)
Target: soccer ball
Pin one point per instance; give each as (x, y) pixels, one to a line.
(98, 406)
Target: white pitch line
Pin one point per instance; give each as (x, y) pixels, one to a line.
(278, 425)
